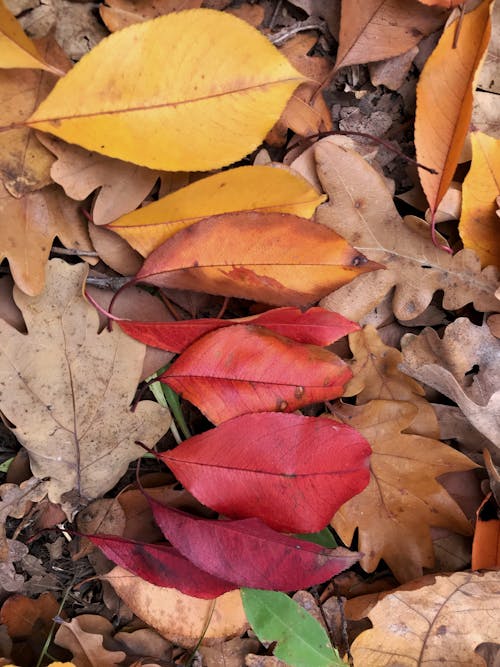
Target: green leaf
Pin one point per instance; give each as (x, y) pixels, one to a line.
(302, 641)
(323, 537)
(6, 464)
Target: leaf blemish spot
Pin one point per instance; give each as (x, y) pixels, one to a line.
(359, 260)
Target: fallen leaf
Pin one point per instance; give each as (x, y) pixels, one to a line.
(445, 365)
(479, 224)
(290, 471)
(315, 326)
(147, 644)
(256, 188)
(274, 258)
(249, 553)
(219, 113)
(438, 623)
(114, 251)
(447, 4)
(16, 502)
(28, 227)
(84, 637)
(10, 581)
(403, 500)
(454, 425)
(443, 114)
(118, 14)
(264, 372)
(486, 544)
(392, 72)
(488, 79)
(69, 391)
(178, 617)
(364, 214)
(379, 29)
(376, 376)
(228, 654)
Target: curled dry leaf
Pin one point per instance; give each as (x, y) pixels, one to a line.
(203, 111)
(438, 623)
(264, 372)
(118, 14)
(364, 214)
(257, 188)
(290, 471)
(84, 637)
(16, 502)
(68, 391)
(403, 499)
(479, 223)
(178, 617)
(443, 114)
(274, 258)
(445, 365)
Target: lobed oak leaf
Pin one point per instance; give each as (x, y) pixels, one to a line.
(85, 637)
(403, 500)
(274, 258)
(257, 188)
(443, 116)
(290, 471)
(479, 223)
(435, 623)
(67, 390)
(219, 108)
(118, 14)
(364, 214)
(263, 372)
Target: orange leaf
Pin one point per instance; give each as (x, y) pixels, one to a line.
(479, 224)
(274, 258)
(486, 544)
(444, 100)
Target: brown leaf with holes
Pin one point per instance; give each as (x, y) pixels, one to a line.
(403, 500)
(362, 211)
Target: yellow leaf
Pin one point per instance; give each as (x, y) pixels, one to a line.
(190, 91)
(16, 48)
(259, 188)
(479, 224)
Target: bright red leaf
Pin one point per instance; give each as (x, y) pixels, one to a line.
(243, 369)
(161, 565)
(291, 471)
(316, 326)
(249, 553)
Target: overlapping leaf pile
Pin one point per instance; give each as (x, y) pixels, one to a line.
(307, 417)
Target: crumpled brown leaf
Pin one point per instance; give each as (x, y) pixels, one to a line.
(362, 211)
(432, 623)
(403, 500)
(68, 391)
(16, 502)
(84, 636)
(446, 364)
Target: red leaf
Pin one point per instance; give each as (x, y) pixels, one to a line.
(291, 471)
(249, 553)
(316, 326)
(161, 565)
(243, 369)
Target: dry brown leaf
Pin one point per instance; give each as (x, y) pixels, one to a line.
(84, 636)
(24, 162)
(454, 426)
(10, 581)
(114, 251)
(392, 72)
(29, 225)
(118, 14)
(403, 499)
(437, 624)
(376, 376)
(145, 643)
(68, 391)
(228, 654)
(8, 309)
(362, 211)
(465, 366)
(16, 502)
(178, 617)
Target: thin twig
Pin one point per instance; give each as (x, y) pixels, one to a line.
(108, 282)
(277, 10)
(301, 26)
(74, 251)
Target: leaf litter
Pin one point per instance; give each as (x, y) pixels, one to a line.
(313, 438)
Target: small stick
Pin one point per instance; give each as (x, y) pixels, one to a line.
(74, 251)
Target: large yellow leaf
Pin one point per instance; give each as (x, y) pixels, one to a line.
(479, 224)
(265, 189)
(444, 100)
(189, 91)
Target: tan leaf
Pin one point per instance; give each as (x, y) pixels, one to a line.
(488, 78)
(445, 364)
(118, 14)
(228, 654)
(69, 391)
(178, 617)
(84, 637)
(403, 499)
(376, 376)
(16, 502)
(436, 624)
(362, 211)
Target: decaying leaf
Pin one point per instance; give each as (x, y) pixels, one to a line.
(362, 211)
(443, 113)
(403, 500)
(16, 502)
(440, 622)
(257, 188)
(446, 364)
(178, 617)
(68, 390)
(274, 258)
(203, 111)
